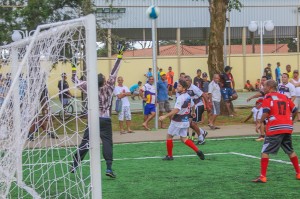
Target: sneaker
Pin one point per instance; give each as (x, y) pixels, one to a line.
(259, 139)
(260, 179)
(168, 158)
(170, 98)
(53, 135)
(200, 154)
(205, 134)
(200, 142)
(298, 176)
(110, 173)
(30, 137)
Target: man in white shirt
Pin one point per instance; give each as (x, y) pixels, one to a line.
(122, 92)
(296, 82)
(214, 93)
(286, 87)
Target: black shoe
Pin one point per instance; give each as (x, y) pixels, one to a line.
(30, 137)
(201, 142)
(110, 173)
(53, 135)
(200, 154)
(205, 134)
(168, 158)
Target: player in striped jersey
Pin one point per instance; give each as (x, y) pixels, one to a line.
(180, 122)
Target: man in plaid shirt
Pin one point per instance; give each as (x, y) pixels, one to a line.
(106, 89)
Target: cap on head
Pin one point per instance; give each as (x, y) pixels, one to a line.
(227, 68)
(63, 75)
(162, 73)
(204, 74)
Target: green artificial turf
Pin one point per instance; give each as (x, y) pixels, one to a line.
(142, 174)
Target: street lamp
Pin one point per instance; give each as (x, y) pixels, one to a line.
(19, 34)
(261, 26)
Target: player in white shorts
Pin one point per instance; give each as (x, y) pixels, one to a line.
(180, 121)
(196, 96)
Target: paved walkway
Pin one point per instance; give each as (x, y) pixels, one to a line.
(159, 135)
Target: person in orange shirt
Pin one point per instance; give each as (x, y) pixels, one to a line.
(170, 78)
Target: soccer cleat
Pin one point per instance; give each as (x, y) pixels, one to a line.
(110, 173)
(260, 179)
(200, 154)
(168, 158)
(201, 142)
(205, 134)
(298, 176)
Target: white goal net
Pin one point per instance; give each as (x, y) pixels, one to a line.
(43, 115)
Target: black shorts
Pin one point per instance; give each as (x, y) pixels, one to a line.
(170, 87)
(199, 111)
(273, 143)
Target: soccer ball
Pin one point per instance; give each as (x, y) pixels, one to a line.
(153, 12)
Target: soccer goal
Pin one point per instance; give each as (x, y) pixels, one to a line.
(38, 133)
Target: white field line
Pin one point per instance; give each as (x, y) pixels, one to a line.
(255, 157)
(159, 157)
(209, 139)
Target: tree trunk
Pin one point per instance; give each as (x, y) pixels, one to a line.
(217, 10)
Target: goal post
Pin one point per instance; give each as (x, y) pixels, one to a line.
(36, 145)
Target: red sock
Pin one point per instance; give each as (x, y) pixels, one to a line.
(170, 147)
(295, 162)
(263, 166)
(191, 144)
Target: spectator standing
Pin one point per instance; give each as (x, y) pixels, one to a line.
(214, 94)
(170, 78)
(134, 90)
(148, 74)
(296, 82)
(227, 91)
(289, 71)
(64, 91)
(198, 81)
(148, 92)
(2, 91)
(162, 96)
(204, 88)
(286, 87)
(268, 72)
(122, 92)
(158, 74)
(278, 129)
(181, 77)
(278, 73)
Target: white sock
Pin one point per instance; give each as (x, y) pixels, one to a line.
(201, 131)
(200, 138)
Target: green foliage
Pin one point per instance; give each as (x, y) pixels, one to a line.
(234, 5)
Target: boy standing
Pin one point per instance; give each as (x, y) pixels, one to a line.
(180, 121)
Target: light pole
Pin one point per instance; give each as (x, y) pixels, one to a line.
(20, 34)
(261, 26)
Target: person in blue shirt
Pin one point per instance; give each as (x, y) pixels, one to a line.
(158, 74)
(148, 74)
(134, 90)
(162, 96)
(278, 73)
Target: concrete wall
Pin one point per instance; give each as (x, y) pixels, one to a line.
(133, 69)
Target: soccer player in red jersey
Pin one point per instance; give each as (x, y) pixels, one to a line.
(278, 110)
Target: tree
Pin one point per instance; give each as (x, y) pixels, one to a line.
(217, 10)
